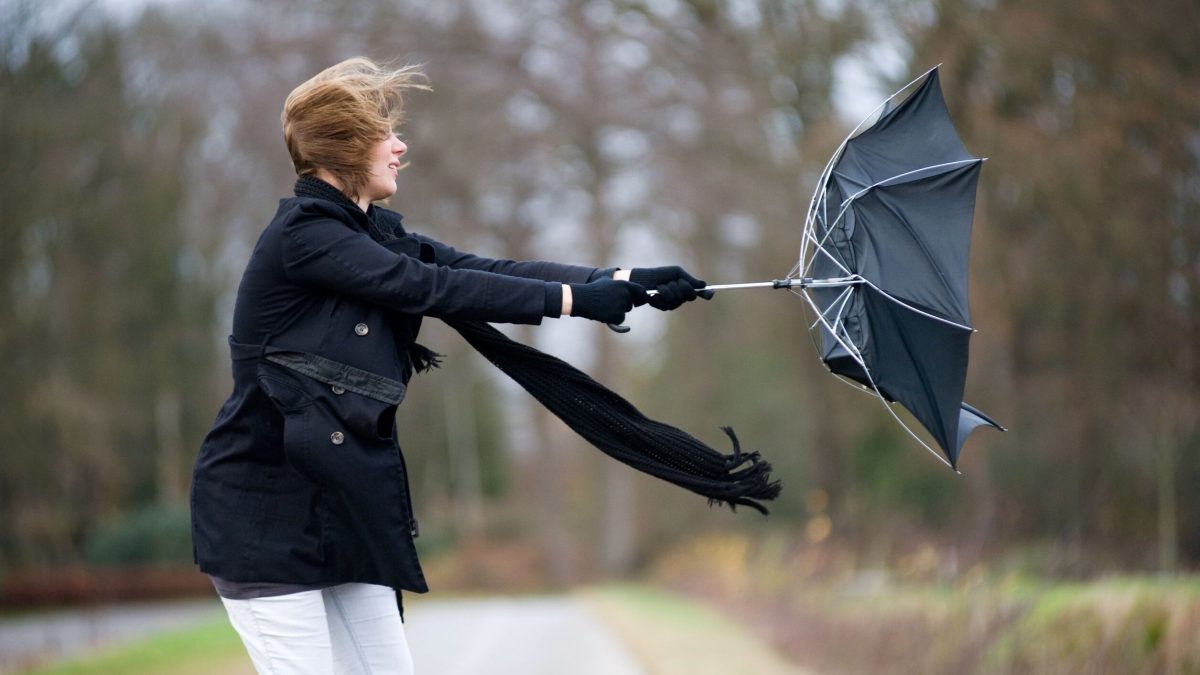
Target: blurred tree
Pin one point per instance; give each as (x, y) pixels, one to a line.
(1089, 244)
(106, 316)
(742, 124)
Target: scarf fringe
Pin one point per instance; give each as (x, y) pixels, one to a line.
(423, 359)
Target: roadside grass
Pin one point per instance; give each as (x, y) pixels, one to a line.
(212, 647)
(827, 611)
(672, 634)
(997, 627)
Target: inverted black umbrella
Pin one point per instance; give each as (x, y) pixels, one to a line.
(883, 263)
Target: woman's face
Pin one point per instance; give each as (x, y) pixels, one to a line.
(385, 164)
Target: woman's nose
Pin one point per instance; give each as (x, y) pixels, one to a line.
(399, 147)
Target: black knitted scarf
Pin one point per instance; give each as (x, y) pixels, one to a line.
(596, 413)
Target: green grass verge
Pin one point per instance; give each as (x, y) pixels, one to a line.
(212, 647)
(674, 635)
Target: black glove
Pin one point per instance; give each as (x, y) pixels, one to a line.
(606, 300)
(673, 284)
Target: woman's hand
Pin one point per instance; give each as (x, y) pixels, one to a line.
(604, 300)
(673, 285)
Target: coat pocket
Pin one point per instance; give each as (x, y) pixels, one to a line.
(337, 420)
(285, 387)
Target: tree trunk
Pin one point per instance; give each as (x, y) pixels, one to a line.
(462, 437)
(170, 445)
(1168, 522)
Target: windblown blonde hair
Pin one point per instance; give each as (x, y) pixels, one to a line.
(332, 121)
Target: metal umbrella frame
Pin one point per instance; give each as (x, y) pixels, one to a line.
(822, 269)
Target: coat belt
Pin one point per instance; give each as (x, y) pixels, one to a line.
(333, 373)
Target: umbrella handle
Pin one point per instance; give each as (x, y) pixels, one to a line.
(778, 283)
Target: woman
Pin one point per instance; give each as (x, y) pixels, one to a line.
(301, 511)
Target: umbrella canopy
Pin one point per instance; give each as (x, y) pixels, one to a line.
(884, 263)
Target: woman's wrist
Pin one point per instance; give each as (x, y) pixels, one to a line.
(621, 275)
(566, 300)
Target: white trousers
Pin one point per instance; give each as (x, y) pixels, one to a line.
(351, 628)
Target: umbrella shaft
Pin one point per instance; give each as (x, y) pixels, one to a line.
(758, 284)
(805, 282)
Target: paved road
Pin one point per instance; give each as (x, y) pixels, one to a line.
(547, 635)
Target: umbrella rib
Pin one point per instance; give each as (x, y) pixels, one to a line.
(860, 193)
(912, 433)
(911, 308)
(808, 235)
(858, 358)
(845, 302)
(846, 206)
(852, 198)
(825, 173)
(926, 385)
(847, 345)
(818, 199)
(820, 247)
(842, 298)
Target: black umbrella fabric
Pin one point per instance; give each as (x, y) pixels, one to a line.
(884, 263)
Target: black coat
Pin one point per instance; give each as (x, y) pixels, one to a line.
(301, 479)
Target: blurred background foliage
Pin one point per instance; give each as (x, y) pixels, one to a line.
(142, 155)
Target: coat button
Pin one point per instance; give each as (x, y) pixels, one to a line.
(338, 390)
(337, 438)
(361, 329)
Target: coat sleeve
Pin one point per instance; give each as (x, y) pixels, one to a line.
(320, 251)
(531, 269)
